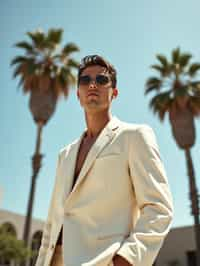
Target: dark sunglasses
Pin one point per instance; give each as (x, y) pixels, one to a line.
(99, 79)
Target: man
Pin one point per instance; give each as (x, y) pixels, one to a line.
(111, 203)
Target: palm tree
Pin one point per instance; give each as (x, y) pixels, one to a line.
(46, 72)
(178, 94)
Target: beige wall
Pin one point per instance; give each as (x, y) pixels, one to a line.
(17, 221)
(175, 247)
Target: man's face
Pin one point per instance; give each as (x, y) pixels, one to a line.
(96, 97)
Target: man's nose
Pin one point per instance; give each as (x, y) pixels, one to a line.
(92, 84)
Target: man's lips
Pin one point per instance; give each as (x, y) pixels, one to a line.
(92, 94)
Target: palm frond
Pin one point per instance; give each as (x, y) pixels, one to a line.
(163, 70)
(162, 59)
(70, 48)
(17, 71)
(67, 76)
(175, 55)
(183, 91)
(18, 60)
(184, 59)
(72, 63)
(25, 45)
(153, 83)
(72, 79)
(38, 38)
(194, 88)
(21, 82)
(158, 68)
(161, 103)
(161, 100)
(193, 69)
(195, 83)
(63, 73)
(54, 36)
(32, 67)
(161, 114)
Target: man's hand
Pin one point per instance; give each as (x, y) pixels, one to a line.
(120, 261)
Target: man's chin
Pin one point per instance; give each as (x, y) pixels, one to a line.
(93, 103)
(93, 107)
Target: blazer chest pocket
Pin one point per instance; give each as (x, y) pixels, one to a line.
(111, 236)
(109, 162)
(110, 156)
(108, 171)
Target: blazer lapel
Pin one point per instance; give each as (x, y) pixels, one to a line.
(69, 166)
(102, 140)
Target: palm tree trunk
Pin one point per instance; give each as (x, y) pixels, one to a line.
(193, 195)
(36, 164)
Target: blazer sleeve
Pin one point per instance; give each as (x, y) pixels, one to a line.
(153, 198)
(48, 224)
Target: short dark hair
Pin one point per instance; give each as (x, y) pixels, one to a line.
(92, 60)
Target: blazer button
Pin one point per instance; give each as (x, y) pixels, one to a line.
(52, 246)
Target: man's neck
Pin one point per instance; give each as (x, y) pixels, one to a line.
(96, 122)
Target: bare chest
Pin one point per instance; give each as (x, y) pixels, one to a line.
(84, 149)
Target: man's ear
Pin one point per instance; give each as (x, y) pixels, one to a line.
(115, 92)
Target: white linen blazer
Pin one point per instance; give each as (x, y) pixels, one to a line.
(120, 204)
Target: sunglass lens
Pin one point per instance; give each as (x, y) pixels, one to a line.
(102, 80)
(84, 80)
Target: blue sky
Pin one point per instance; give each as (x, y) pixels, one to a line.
(129, 34)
